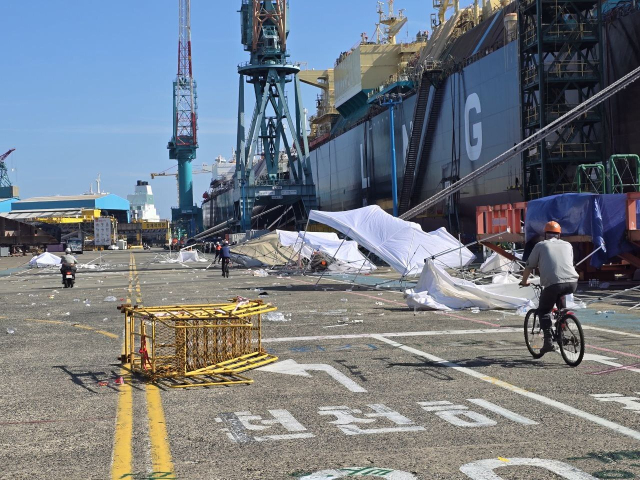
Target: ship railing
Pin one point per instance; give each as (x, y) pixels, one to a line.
(572, 69)
(552, 112)
(530, 75)
(556, 111)
(573, 150)
(573, 31)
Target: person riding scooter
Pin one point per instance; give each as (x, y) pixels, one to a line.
(69, 265)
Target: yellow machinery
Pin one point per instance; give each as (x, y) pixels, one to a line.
(196, 345)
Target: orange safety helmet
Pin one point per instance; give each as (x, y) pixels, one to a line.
(552, 227)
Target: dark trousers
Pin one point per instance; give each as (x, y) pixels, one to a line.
(553, 295)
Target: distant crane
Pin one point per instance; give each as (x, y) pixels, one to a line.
(4, 173)
(176, 174)
(187, 218)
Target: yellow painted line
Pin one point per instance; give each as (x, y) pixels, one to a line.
(122, 461)
(160, 451)
(502, 459)
(122, 446)
(84, 327)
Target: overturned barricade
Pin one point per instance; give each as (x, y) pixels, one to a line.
(196, 345)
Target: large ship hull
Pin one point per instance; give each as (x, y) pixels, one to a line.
(480, 118)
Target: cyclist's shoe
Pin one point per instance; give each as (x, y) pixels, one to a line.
(547, 346)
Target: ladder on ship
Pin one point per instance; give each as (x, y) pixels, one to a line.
(423, 164)
(414, 145)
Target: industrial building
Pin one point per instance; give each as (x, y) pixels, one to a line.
(76, 206)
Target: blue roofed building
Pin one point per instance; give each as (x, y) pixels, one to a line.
(105, 205)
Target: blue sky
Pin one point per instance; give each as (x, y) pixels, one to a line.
(86, 85)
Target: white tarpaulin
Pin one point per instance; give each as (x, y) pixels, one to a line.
(498, 263)
(188, 256)
(45, 260)
(437, 289)
(403, 245)
(345, 253)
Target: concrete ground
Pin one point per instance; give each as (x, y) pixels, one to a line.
(364, 387)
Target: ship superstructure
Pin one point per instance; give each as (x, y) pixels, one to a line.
(462, 89)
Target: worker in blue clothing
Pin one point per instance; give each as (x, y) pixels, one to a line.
(225, 254)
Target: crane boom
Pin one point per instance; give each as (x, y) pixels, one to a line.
(4, 174)
(6, 154)
(540, 135)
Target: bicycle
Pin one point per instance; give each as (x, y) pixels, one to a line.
(225, 267)
(566, 331)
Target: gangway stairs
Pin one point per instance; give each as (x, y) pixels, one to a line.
(432, 122)
(414, 145)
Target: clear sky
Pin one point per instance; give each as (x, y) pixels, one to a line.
(86, 86)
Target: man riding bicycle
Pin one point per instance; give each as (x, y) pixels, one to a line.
(553, 257)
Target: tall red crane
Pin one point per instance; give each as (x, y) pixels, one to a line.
(187, 217)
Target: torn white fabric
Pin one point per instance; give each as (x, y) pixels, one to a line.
(347, 258)
(189, 256)
(403, 245)
(436, 285)
(498, 263)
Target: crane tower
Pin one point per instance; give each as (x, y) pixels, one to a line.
(7, 190)
(265, 28)
(187, 217)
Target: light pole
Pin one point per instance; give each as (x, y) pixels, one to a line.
(391, 100)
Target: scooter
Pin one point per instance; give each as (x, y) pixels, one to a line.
(68, 276)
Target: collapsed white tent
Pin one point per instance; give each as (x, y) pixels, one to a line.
(403, 245)
(498, 263)
(190, 256)
(45, 259)
(345, 252)
(436, 289)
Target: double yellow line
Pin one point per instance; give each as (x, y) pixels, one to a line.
(122, 465)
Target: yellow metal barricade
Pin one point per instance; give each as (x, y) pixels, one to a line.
(196, 345)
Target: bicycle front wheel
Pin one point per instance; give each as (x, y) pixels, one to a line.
(571, 340)
(533, 335)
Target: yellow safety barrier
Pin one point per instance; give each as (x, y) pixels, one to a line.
(196, 345)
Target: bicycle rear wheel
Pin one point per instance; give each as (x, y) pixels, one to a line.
(533, 335)
(571, 340)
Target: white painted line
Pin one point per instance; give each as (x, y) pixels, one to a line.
(520, 391)
(291, 367)
(618, 332)
(492, 407)
(484, 469)
(393, 334)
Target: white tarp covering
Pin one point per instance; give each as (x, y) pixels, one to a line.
(498, 263)
(436, 289)
(403, 245)
(45, 260)
(345, 253)
(188, 256)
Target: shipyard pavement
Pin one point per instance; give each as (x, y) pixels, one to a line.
(364, 387)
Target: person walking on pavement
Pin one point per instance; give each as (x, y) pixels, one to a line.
(225, 254)
(217, 256)
(558, 277)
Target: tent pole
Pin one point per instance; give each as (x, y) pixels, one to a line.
(361, 267)
(306, 227)
(433, 257)
(588, 256)
(333, 258)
